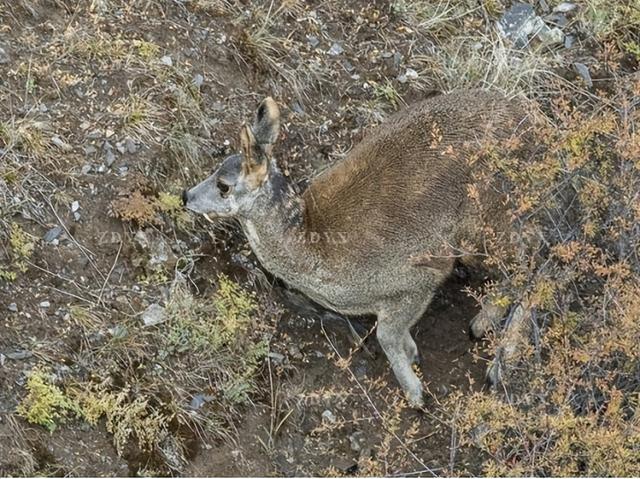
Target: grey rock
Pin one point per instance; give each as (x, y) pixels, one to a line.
(130, 146)
(520, 24)
(564, 7)
(44, 304)
(90, 150)
(120, 147)
(109, 157)
(198, 80)
(60, 143)
(200, 400)
(76, 216)
(4, 56)
(167, 60)
(13, 307)
(313, 41)
(276, 357)
(75, 206)
(551, 36)
(19, 355)
(357, 441)
(336, 49)
(557, 19)
(397, 59)
(118, 331)
(52, 234)
(517, 23)
(327, 415)
(410, 74)
(582, 70)
(153, 315)
(569, 41)
(86, 169)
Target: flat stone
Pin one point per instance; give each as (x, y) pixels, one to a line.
(328, 416)
(336, 49)
(410, 74)
(313, 41)
(582, 70)
(551, 36)
(130, 146)
(153, 315)
(19, 355)
(90, 150)
(109, 157)
(520, 24)
(517, 23)
(52, 234)
(565, 7)
(569, 41)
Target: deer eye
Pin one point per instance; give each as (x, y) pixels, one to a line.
(223, 188)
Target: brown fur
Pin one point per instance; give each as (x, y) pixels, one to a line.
(408, 178)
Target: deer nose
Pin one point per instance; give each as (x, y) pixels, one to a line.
(185, 197)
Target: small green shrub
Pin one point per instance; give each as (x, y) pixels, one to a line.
(127, 417)
(45, 404)
(220, 328)
(21, 246)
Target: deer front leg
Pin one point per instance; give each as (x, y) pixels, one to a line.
(400, 349)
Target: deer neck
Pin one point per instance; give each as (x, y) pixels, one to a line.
(275, 229)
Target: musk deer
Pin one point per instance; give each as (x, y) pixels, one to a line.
(378, 232)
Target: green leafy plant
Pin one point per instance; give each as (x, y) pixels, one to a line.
(45, 403)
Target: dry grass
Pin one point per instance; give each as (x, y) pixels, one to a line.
(568, 403)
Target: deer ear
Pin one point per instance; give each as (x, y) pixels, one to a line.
(247, 143)
(254, 165)
(266, 126)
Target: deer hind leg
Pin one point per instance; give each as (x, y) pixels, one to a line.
(513, 339)
(400, 349)
(487, 319)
